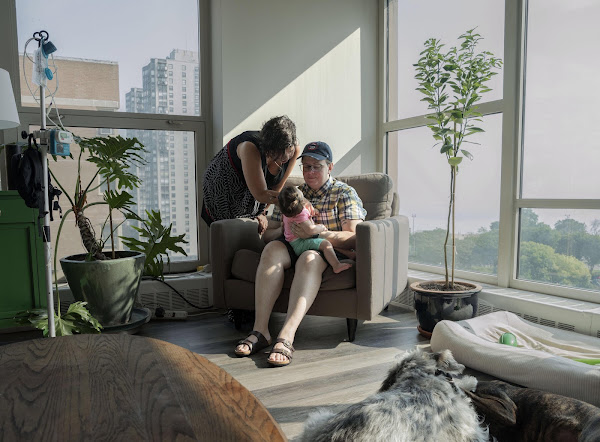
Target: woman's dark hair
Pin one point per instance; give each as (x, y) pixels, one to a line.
(277, 135)
(291, 201)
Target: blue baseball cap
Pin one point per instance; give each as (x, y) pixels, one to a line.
(317, 150)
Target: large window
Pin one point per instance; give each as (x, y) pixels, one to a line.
(411, 22)
(124, 68)
(528, 207)
(559, 230)
(424, 194)
(113, 55)
(561, 141)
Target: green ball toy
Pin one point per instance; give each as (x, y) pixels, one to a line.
(508, 339)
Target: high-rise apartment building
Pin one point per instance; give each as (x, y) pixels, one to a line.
(170, 86)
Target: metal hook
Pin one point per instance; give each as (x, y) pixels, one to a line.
(41, 36)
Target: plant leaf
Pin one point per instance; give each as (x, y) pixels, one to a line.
(467, 154)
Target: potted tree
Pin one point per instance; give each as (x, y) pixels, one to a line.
(453, 82)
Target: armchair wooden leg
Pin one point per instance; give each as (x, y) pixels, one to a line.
(352, 324)
(238, 317)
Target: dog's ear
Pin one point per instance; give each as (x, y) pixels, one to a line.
(391, 378)
(496, 407)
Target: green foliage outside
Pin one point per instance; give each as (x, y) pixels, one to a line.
(567, 253)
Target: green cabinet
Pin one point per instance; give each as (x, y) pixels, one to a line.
(22, 270)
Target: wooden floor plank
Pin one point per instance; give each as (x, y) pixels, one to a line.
(327, 370)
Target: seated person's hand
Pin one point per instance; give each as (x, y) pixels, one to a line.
(313, 212)
(307, 229)
(262, 224)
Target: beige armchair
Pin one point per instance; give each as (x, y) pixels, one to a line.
(378, 276)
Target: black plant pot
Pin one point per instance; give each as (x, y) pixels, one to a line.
(433, 306)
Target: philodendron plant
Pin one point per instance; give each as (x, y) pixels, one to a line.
(453, 82)
(113, 157)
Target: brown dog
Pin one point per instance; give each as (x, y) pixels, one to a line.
(525, 414)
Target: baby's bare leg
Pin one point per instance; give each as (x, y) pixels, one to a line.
(329, 253)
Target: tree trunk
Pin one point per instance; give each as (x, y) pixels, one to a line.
(453, 216)
(87, 237)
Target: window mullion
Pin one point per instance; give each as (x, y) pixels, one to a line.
(511, 139)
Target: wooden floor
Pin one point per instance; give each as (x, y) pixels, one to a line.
(327, 371)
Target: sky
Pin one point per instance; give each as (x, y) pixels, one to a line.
(130, 32)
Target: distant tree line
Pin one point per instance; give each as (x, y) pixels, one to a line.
(565, 254)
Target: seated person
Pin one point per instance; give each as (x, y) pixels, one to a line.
(339, 208)
(296, 209)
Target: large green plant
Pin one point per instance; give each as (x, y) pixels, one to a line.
(453, 82)
(114, 158)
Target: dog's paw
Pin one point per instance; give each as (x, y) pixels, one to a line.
(468, 383)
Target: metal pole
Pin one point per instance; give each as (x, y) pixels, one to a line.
(46, 229)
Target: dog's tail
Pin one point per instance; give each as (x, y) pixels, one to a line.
(313, 424)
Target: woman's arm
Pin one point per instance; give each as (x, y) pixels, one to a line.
(254, 174)
(288, 172)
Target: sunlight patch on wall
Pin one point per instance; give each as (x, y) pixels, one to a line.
(324, 101)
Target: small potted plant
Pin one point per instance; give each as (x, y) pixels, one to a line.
(453, 82)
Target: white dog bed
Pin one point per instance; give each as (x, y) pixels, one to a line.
(542, 360)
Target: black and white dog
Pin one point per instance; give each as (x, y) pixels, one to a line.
(421, 399)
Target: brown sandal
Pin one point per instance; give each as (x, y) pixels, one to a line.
(286, 351)
(254, 346)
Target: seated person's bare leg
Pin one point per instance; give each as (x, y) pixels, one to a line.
(329, 253)
(269, 281)
(304, 289)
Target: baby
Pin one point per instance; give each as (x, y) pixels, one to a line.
(296, 209)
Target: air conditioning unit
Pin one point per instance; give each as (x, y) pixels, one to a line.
(195, 287)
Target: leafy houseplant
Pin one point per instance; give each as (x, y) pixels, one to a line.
(453, 82)
(111, 279)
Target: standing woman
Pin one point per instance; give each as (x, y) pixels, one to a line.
(248, 173)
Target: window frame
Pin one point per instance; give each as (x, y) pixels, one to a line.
(512, 108)
(200, 125)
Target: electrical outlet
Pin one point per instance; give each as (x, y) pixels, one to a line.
(170, 314)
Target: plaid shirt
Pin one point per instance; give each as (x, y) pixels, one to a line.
(335, 201)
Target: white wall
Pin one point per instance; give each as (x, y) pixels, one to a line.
(313, 60)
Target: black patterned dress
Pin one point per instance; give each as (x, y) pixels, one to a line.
(226, 194)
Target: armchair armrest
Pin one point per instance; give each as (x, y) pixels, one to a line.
(381, 263)
(226, 238)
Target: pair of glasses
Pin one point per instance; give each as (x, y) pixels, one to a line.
(309, 168)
